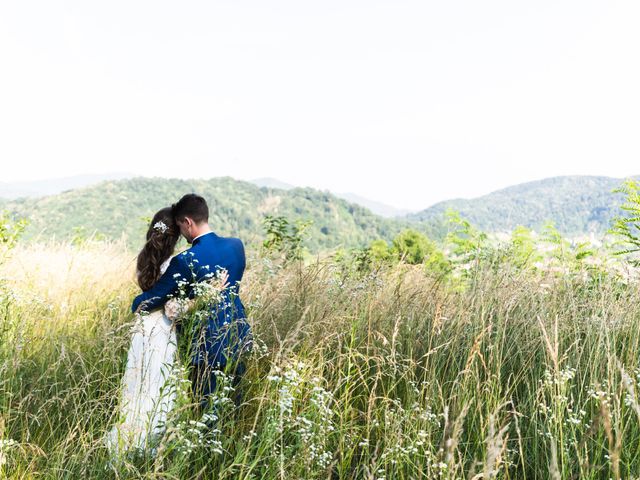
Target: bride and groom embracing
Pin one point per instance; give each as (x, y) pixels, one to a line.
(215, 344)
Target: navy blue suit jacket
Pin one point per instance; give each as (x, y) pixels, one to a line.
(226, 329)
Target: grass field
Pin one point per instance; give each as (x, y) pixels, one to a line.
(503, 370)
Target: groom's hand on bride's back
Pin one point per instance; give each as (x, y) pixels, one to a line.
(222, 280)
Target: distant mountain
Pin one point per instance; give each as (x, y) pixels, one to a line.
(41, 188)
(378, 208)
(114, 208)
(272, 183)
(575, 204)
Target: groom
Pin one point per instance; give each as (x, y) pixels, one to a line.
(226, 332)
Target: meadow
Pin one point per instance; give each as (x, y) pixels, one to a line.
(515, 359)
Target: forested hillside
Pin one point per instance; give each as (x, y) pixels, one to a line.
(575, 204)
(114, 208)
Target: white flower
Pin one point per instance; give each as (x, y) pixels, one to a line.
(160, 227)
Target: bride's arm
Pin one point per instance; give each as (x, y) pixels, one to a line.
(166, 286)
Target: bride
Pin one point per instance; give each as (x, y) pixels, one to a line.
(146, 397)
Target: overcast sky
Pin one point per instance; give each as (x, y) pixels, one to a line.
(405, 102)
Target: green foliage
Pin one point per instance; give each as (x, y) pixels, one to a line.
(10, 230)
(412, 247)
(379, 251)
(467, 241)
(524, 251)
(284, 237)
(562, 250)
(627, 226)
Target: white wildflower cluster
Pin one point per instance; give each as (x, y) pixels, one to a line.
(561, 379)
(407, 449)
(631, 388)
(208, 292)
(575, 418)
(557, 405)
(289, 387)
(221, 399)
(398, 454)
(191, 434)
(314, 428)
(408, 435)
(600, 392)
(6, 445)
(249, 436)
(185, 435)
(178, 381)
(8, 295)
(425, 414)
(260, 349)
(311, 421)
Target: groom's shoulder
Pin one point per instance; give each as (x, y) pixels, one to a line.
(236, 242)
(230, 240)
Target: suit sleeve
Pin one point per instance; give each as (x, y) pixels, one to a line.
(166, 285)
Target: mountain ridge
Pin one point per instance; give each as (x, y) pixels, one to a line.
(574, 203)
(577, 205)
(115, 207)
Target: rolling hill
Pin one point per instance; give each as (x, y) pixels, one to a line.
(575, 204)
(114, 208)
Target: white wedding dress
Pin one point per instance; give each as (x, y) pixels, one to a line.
(147, 395)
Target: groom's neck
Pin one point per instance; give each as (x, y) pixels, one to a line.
(201, 230)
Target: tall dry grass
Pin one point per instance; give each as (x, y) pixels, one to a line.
(392, 373)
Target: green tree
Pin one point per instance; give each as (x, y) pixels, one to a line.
(10, 230)
(627, 227)
(284, 237)
(379, 251)
(467, 241)
(524, 250)
(412, 247)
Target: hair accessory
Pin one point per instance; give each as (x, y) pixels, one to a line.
(160, 227)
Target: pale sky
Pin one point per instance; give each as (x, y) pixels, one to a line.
(404, 102)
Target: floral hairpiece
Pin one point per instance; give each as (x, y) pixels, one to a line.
(160, 227)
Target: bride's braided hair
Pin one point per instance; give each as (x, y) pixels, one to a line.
(162, 237)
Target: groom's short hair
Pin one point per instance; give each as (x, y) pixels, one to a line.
(192, 206)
